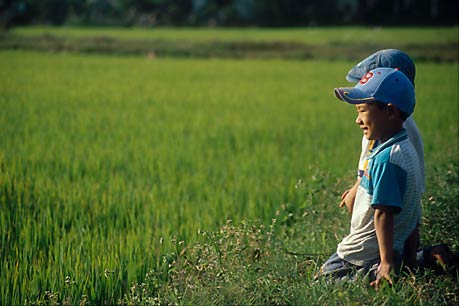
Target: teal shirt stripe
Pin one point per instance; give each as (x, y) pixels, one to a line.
(385, 181)
(389, 185)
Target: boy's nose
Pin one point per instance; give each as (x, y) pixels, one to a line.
(358, 120)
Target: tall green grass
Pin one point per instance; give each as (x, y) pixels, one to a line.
(107, 163)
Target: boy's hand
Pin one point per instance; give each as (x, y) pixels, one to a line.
(383, 273)
(348, 197)
(343, 198)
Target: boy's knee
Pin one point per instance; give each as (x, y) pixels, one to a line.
(335, 267)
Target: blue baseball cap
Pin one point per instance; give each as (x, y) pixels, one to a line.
(389, 58)
(386, 85)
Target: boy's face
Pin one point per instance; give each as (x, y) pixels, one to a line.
(373, 121)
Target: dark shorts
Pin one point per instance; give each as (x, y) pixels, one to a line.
(340, 269)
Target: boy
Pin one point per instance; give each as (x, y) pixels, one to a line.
(387, 205)
(435, 257)
(389, 58)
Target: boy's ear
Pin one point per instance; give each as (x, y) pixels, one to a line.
(394, 112)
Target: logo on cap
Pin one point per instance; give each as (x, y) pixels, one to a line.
(366, 78)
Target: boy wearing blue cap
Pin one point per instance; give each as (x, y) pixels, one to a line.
(436, 257)
(389, 58)
(387, 206)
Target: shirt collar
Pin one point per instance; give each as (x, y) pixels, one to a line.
(399, 136)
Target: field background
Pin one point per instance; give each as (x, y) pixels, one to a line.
(312, 35)
(334, 43)
(111, 165)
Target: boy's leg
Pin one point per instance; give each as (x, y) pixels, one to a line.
(370, 270)
(337, 268)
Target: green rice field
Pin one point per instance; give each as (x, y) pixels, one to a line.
(312, 35)
(107, 163)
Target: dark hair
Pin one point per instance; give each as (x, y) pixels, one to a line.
(379, 104)
(382, 105)
(403, 115)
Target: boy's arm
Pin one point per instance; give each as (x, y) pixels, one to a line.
(411, 247)
(384, 226)
(348, 197)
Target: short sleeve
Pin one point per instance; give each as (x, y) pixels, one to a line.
(389, 182)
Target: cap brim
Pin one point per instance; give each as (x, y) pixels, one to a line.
(352, 95)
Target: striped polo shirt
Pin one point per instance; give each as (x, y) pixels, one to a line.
(393, 177)
(413, 135)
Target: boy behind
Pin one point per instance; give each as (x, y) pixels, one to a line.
(387, 206)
